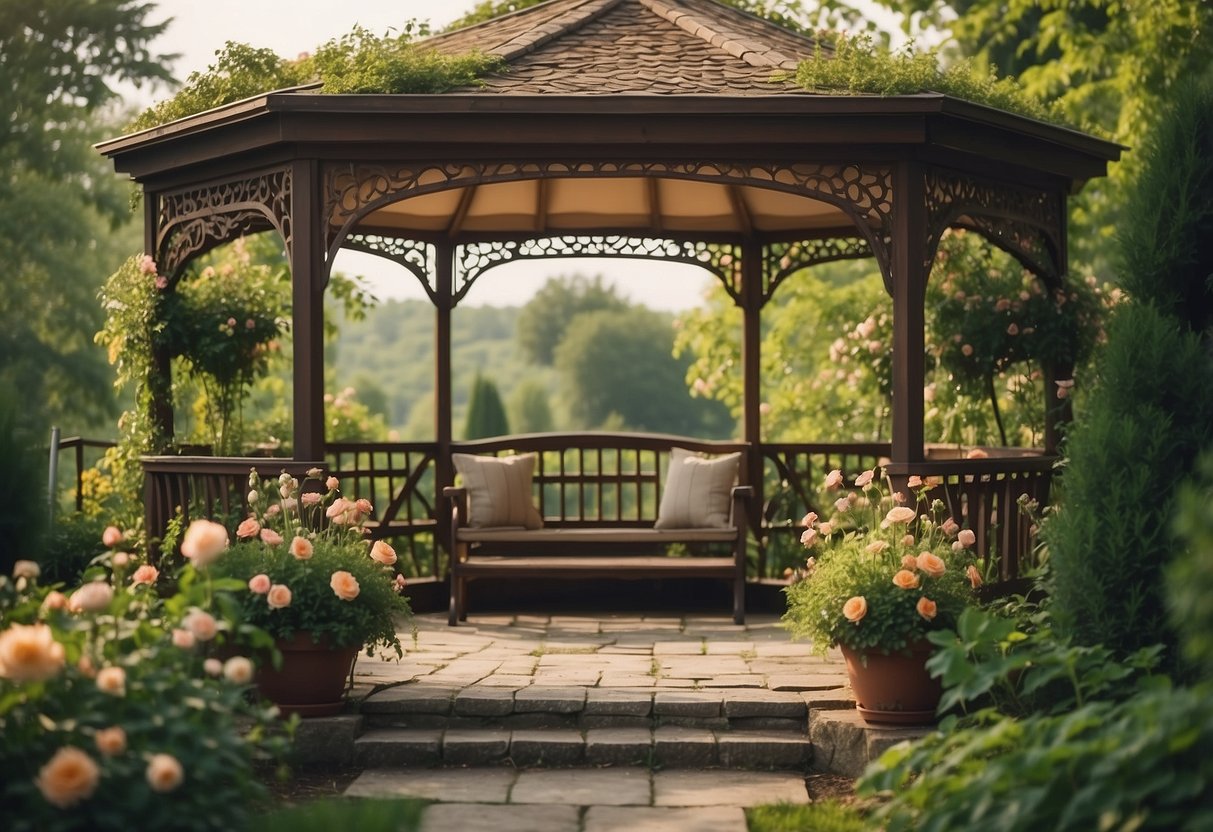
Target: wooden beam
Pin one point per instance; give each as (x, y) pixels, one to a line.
(909, 273)
(307, 308)
(541, 205)
(655, 218)
(461, 211)
(443, 398)
(740, 211)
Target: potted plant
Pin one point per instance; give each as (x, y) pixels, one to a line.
(885, 570)
(311, 579)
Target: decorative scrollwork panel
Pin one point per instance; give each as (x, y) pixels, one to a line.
(783, 259)
(1025, 222)
(194, 221)
(721, 259)
(420, 258)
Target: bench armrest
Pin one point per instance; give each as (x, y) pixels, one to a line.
(458, 498)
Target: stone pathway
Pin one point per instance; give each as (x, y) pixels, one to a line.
(587, 723)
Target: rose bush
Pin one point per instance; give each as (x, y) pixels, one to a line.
(885, 570)
(302, 564)
(112, 716)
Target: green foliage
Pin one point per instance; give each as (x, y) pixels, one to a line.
(23, 507)
(348, 420)
(860, 590)
(1149, 414)
(343, 813)
(548, 316)
(619, 366)
(73, 543)
(486, 414)
(858, 65)
(823, 816)
(1135, 764)
(1165, 238)
(1190, 575)
(488, 10)
(165, 702)
(302, 541)
(529, 409)
(357, 62)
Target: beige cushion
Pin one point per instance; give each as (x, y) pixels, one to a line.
(697, 491)
(499, 490)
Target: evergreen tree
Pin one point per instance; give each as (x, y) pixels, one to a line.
(486, 414)
(530, 410)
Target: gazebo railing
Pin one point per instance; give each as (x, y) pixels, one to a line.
(400, 481)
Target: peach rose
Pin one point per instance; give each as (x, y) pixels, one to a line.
(809, 519)
(974, 576)
(184, 639)
(341, 512)
(248, 529)
(68, 777)
(364, 506)
(909, 562)
(949, 527)
(273, 511)
(301, 548)
(203, 542)
(967, 350)
(826, 529)
(876, 547)
(933, 482)
(399, 583)
(120, 561)
(808, 537)
(966, 538)
(145, 574)
(834, 479)
(914, 482)
(110, 741)
(202, 624)
(381, 552)
(212, 667)
(271, 537)
(29, 653)
(926, 608)
(313, 473)
(905, 579)
(92, 597)
(279, 597)
(260, 584)
(908, 541)
(111, 537)
(311, 498)
(931, 564)
(842, 504)
(345, 586)
(332, 484)
(855, 609)
(86, 667)
(164, 773)
(900, 514)
(112, 680)
(54, 600)
(26, 569)
(238, 670)
(865, 479)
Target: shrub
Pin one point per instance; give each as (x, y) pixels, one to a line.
(22, 517)
(1190, 576)
(73, 543)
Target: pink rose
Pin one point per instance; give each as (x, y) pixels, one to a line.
(842, 504)
(110, 741)
(248, 529)
(147, 265)
(865, 479)
(825, 529)
(311, 498)
(54, 600)
(259, 584)
(301, 548)
(202, 624)
(900, 514)
(908, 541)
(914, 482)
(145, 574)
(212, 667)
(279, 597)
(112, 536)
(238, 670)
(966, 538)
(834, 479)
(1013, 329)
(183, 639)
(808, 537)
(809, 519)
(271, 537)
(381, 552)
(909, 562)
(399, 583)
(344, 585)
(364, 506)
(204, 542)
(876, 547)
(949, 527)
(92, 597)
(332, 484)
(273, 511)
(967, 350)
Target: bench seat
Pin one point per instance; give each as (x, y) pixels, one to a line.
(597, 566)
(583, 536)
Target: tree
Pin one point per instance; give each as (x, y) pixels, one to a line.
(619, 366)
(59, 205)
(547, 316)
(486, 414)
(529, 408)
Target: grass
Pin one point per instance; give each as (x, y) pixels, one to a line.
(345, 813)
(826, 816)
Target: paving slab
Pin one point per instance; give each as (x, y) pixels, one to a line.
(383, 747)
(657, 819)
(618, 702)
(559, 700)
(475, 746)
(684, 747)
(727, 788)
(762, 749)
(449, 785)
(489, 700)
(584, 787)
(743, 703)
(806, 681)
(413, 697)
(688, 703)
(618, 746)
(546, 747)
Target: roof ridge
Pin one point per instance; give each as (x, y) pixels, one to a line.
(737, 44)
(567, 21)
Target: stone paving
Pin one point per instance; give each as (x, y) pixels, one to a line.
(589, 723)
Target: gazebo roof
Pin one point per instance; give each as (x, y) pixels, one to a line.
(604, 47)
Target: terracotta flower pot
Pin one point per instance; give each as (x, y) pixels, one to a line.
(894, 689)
(312, 679)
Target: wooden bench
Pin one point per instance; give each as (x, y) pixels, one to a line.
(598, 495)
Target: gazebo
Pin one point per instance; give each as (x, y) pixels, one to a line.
(637, 128)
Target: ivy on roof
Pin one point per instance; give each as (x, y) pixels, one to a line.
(358, 62)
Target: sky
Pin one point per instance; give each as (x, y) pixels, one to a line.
(199, 29)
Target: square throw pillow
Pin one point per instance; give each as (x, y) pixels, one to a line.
(499, 490)
(698, 491)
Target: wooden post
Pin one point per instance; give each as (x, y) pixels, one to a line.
(308, 279)
(443, 399)
(751, 360)
(160, 378)
(910, 269)
(1058, 412)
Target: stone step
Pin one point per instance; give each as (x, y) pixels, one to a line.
(844, 744)
(667, 746)
(420, 706)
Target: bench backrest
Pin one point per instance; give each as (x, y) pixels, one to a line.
(598, 478)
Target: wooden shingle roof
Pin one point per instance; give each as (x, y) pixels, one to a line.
(660, 47)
